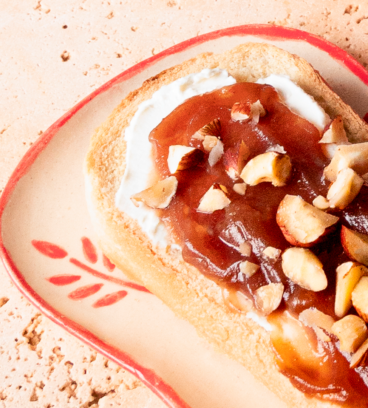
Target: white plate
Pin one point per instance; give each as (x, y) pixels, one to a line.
(44, 201)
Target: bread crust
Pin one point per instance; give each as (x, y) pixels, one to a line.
(175, 282)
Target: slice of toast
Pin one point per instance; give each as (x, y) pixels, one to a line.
(181, 286)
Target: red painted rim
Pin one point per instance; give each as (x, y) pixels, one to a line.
(147, 376)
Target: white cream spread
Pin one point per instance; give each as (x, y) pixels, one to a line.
(139, 160)
(297, 100)
(260, 320)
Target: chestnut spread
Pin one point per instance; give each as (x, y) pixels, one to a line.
(210, 241)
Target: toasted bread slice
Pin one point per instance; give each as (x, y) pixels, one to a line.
(181, 286)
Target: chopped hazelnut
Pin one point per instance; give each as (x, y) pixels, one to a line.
(240, 111)
(301, 223)
(348, 275)
(211, 129)
(183, 157)
(351, 331)
(354, 156)
(358, 355)
(360, 299)
(240, 188)
(268, 167)
(317, 320)
(248, 268)
(245, 248)
(302, 267)
(209, 143)
(157, 196)
(321, 203)
(346, 187)
(214, 199)
(335, 132)
(272, 253)
(355, 245)
(235, 159)
(268, 297)
(216, 153)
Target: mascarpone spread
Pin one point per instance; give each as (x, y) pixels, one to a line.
(297, 100)
(139, 160)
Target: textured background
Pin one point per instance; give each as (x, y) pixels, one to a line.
(52, 54)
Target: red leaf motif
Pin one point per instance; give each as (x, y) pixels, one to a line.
(107, 263)
(109, 278)
(85, 291)
(62, 280)
(89, 250)
(110, 299)
(51, 250)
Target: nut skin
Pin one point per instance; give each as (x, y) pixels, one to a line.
(157, 196)
(211, 129)
(355, 245)
(358, 355)
(235, 159)
(335, 132)
(295, 216)
(270, 167)
(183, 157)
(240, 111)
(244, 111)
(257, 111)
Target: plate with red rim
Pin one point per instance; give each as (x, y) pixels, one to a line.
(48, 246)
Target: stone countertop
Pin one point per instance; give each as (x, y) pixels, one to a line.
(53, 54)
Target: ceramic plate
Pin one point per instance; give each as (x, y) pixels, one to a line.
(48, 245)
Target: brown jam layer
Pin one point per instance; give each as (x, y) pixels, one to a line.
(209, 241)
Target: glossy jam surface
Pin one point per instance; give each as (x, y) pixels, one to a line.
(209, 241)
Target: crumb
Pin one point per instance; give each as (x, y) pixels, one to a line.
(65, 56)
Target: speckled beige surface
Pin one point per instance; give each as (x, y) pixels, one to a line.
(54, 53)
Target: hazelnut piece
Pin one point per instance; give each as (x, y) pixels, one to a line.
(355, 245)
(354, 156)
(346, 187)
(348, 275)
(214, 199)
(268, 167)
(183, 157)
(157, 196)
(351, 331)
(248, 268)
(301, 223)
(302, 267)
(268, 297)
(211, 129)
(360, 299)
